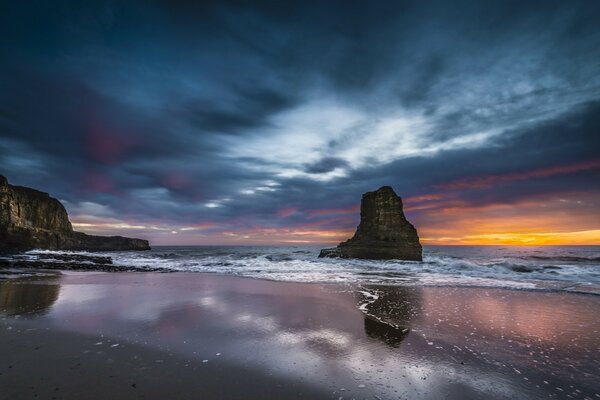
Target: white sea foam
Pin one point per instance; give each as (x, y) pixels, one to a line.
(542, 268)
(368, 299)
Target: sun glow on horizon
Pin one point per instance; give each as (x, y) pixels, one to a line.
(440, 219)
(212, 234)
(591, 237)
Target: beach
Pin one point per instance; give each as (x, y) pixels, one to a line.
(77, 335)
(273, 200)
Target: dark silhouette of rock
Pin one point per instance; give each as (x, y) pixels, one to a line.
(16, 264)
(383, 232)
(32, 219)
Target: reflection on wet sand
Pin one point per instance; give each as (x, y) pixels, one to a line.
(389, 312)
(390, 342)
(27, 297)
(389, 335)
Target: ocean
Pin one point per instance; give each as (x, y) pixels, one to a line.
(558, 268)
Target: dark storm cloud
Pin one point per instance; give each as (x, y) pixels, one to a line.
(326, 164)
(185, 112)
(424, 79)
(249, 108)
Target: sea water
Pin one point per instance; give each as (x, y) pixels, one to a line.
(564, 268)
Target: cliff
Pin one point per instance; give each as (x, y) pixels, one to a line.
(32, 219)
(383, 233)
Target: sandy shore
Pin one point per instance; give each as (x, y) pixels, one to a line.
(150, 335)
(41, 363)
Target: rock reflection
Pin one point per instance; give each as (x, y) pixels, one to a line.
(23, 297)
(389, 335)
(389, 312)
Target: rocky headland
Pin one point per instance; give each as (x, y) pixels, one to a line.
(30, 219)
(384, 233)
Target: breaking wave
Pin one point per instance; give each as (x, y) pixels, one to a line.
(556, 268)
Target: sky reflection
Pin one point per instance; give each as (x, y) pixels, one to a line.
(425, 341)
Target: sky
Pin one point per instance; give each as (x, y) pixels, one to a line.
(239, 122)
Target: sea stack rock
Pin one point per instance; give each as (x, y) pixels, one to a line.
(383, 232)
(32, 219)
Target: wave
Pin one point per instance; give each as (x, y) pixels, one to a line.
(566, 259)
(473, 267)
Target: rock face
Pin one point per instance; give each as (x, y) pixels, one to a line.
(32, 219)
(383, 232)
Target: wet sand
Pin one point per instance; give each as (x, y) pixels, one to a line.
(89, 335)
(49, 364)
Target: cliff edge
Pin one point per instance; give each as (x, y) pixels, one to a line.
(384, 233)
(32, 219)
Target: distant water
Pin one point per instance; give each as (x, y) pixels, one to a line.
(569, 268)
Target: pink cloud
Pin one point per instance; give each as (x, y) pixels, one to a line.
(286, 212)
(98, 182)
(490, 180)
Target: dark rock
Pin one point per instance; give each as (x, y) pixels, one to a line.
(330, 253)
(383, 232)
(69, 257)
(19, 263)
(32, 219)
(521, 268)
(44, 265)
(279, 257)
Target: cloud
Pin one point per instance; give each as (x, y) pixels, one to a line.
(490, 180)
(326, 164)
(178, 114)
(246, 109)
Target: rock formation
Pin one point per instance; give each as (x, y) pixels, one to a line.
(383, 232)
(32, 219)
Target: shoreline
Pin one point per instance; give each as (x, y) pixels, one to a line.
(550, 268)
(35, 272)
